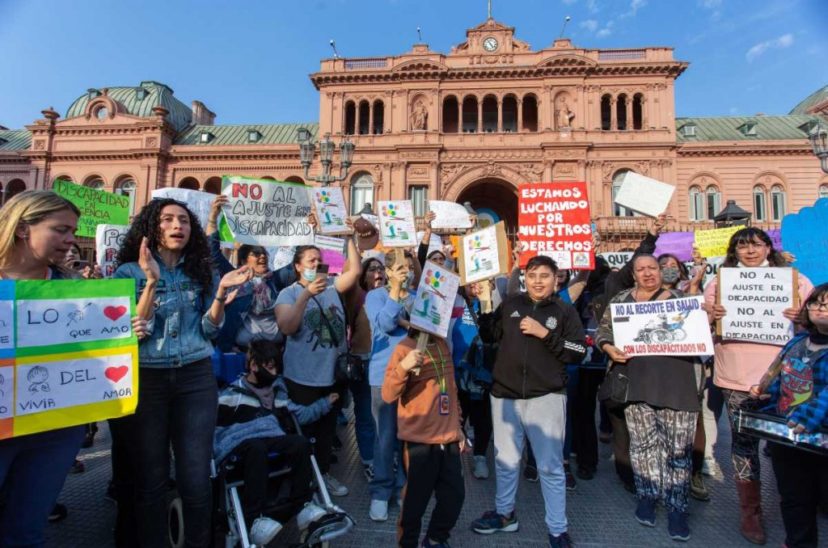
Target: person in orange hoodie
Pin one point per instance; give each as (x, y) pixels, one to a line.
(428, 423)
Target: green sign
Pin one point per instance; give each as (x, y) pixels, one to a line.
(96, 206)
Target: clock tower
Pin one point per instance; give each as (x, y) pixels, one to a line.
(491, 38)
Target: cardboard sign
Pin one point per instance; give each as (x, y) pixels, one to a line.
(805, 235)
(616, 259)
(108, 240)
(554, 221)
(675, 327)
(450, 215)
(96, 206)
(484, 254)
(396, 219)
(431, 311)
(679, 244)
(754, 299)
(333, 252)
(68, 355)
(197, 201)
(644, 194)
(329, 205)
(713, 243)
(266, 213)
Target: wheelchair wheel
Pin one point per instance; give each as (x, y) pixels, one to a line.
(175, 520)
(662, 336)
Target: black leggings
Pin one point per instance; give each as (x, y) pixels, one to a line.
(479, 414)
(324, 429)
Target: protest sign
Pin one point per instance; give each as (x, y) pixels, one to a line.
(675, 327)
(266, 213)
(431, 311)
(679, 244)
(644, 194)
(435, 242)
(396, 219)
(616, 259)
(108, 240)
(713, 243)
(775, 234)
(96, 206)
(68, 355)
(280, 256)
(450, 215)
(710, 271)
(484, 254)
(329, 205)
(197, 201)
(754, 299)
(554, 220)
(804, 235)
(333, 252)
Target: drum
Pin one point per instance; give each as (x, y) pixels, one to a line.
(775, 428)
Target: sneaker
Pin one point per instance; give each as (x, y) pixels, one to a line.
(368, 471)
(481, 467)
(677, 526)
(492, 522)
(77, 467)
(562, 540)
(571, 484)
(379, 510)
(711, 467)
(645, 512)
(264, 530)
(335, 488)
(530, 473)
(308, 515)
(58, 513)
(585, 473)
(697, 488)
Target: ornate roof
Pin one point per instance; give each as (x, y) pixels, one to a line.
(269, 134)
(15, 139)
(140, 103)
(814, 99)
(729, 128)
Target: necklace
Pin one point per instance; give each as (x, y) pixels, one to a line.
(441, 378)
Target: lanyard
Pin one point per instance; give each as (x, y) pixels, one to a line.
(441, 378)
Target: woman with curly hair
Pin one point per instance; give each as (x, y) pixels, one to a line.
(182, 300)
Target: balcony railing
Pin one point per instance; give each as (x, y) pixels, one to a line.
(362, 64)
(622, 54)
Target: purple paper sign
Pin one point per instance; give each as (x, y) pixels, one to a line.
(334, 259)
(679, 244)
(775, 235)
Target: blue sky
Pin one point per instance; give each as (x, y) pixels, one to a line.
(249, 60)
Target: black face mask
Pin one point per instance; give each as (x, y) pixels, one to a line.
(264, 377)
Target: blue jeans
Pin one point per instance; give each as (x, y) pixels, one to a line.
(386, 481)
(178, 407)
(32, 470)
(364, 427)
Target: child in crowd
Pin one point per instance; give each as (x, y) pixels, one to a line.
(428, 423)
(247, 425)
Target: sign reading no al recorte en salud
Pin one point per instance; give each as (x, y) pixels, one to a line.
(68, 355)
(675, 327)
(96, 206)
(754, 299)
(266, 213)
(554, 221)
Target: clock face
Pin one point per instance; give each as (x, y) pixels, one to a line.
(490, 44)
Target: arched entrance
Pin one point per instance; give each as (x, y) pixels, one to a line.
(494, 199)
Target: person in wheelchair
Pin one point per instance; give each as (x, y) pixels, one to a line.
(248, 427)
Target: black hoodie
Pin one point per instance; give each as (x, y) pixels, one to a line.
(526, 366)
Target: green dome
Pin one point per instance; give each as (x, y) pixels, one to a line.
(813, 99)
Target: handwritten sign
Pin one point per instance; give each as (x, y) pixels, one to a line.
(67, 353)
(754, 299)
(679, 244)
(675, 327)
(266, 213)
(713, 243)
(329, 205)
(616, 259)
(484, 254)
(332, 251)
(644, 194)
(554, 221)
(804, 235)
(431, 311)
(449, 215)
(96, 206)
(396, 220)
(197, 201)
(108, 240)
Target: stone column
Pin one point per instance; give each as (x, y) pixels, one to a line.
(613, 117)
(356, 118)
(520, 115)
(479, 116)
(629, 114)
(500, 115)
(459, 116)
(370, 118)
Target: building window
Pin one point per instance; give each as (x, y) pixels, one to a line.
(127, 187)
(714, 202)
(205, 137)
(364, 117)
(606, 112)
(638, 111)
(759, 210)
(470, 114)
(362, 192)
(450, 114)
(350, 117)
(621, 112)
(530, 113)
(101, 113)
(253, 136)
(490, 114)
(777, 202)
(823, 191)
(418, 196)
(619, 211)
(510, 114)
(379, 117)
(696, 204)
(95, 182)
(688, 130)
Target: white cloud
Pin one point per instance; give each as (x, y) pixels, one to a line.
(606, 31)
(590, 24)
(635, 5)
(784, 41)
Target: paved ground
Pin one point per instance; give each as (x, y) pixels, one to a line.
(600, 511)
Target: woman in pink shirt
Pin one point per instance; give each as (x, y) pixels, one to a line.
(740, 365)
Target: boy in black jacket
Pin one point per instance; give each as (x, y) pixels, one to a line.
(538, 335)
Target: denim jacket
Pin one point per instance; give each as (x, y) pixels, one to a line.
(180, 328)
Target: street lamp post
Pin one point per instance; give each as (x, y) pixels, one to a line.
(307, 150)
(819, 142)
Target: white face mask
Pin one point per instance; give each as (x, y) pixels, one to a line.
(409, 279)
(309, 274)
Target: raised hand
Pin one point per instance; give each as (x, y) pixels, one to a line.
(215, 208)
(429, 218)
(147, 262)
(236, 277)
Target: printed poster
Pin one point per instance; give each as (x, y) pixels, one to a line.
(329, 205)
(266, 213)
(68, 355)
(431, 311)
(396, 219)
(96, 206)
(644, 194)
(754, 299)
(484, 254)
(108, 241)
(449, 216)
(676, 327)
(197, 201)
